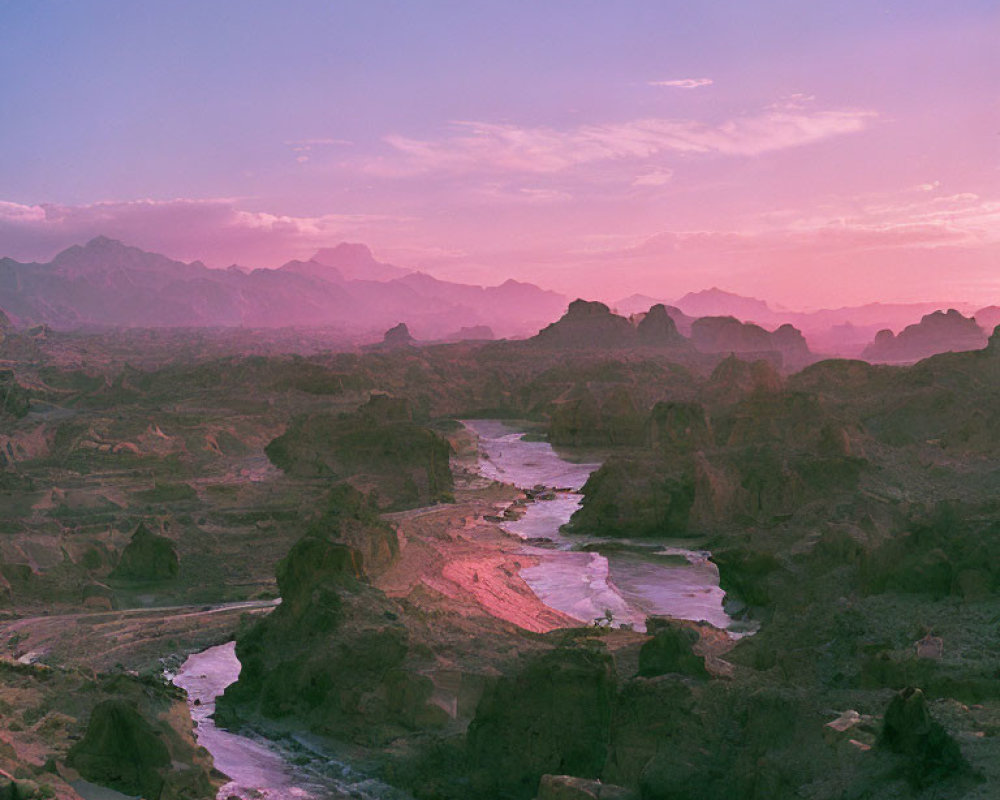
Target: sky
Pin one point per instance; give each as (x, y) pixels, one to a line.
(815, 154)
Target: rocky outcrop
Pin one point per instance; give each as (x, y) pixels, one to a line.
(576, 420)
(763, 453)
(6, 326)
(988, 318)
(791, 344)
(729, 335)
(330, 655)
(590, 325)
(910, 731)
(940, 332)
(734, 378)
(658, 329)
(351, 518)
(552, 716)
(636, 497)
(949, 552)
(379, 448)
(397, 338)
(147, 557)
(6, 593)
(579, 420)
(14, 398)
(587, 325)
(669, 651)
(472, 333)
(679, 428)
(121, 750)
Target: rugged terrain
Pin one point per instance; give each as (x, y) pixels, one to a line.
(161, 490)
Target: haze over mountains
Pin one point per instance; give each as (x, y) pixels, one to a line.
(842, 331)
(106, 283)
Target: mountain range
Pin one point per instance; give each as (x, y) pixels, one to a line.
(107, 283)
(844, 331)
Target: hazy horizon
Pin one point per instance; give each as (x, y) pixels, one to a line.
(612, 301)
(813, 156)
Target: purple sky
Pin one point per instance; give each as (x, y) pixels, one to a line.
(816, 154)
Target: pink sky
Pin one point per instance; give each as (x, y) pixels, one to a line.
(820, 156)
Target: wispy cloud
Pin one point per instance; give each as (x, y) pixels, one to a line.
(924, 219)
(305, 147)
(501, 147)
(656, 177)
(684, 83)
(524, 194)
(318, 142)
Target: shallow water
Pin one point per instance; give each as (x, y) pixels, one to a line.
(255, 769)
(509, 459)
(259, 769)
(582, 584)
(632, 586)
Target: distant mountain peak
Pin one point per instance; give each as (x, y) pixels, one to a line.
(716, 302)
(355, 261)
(347, 252)
(313, 269)
(103, 252)
(715, 293)
(104, 241)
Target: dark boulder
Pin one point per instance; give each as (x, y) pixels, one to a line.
(147, 557)
(14, 399)
(669, 651)
(910, 731)
(121, 750)
(553, 716)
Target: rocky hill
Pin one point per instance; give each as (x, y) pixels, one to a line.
(939, 332)
(378, 448)
(729, 335)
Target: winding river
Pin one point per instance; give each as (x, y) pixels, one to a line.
(259, 769)
(643, 580)
(648, 579)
